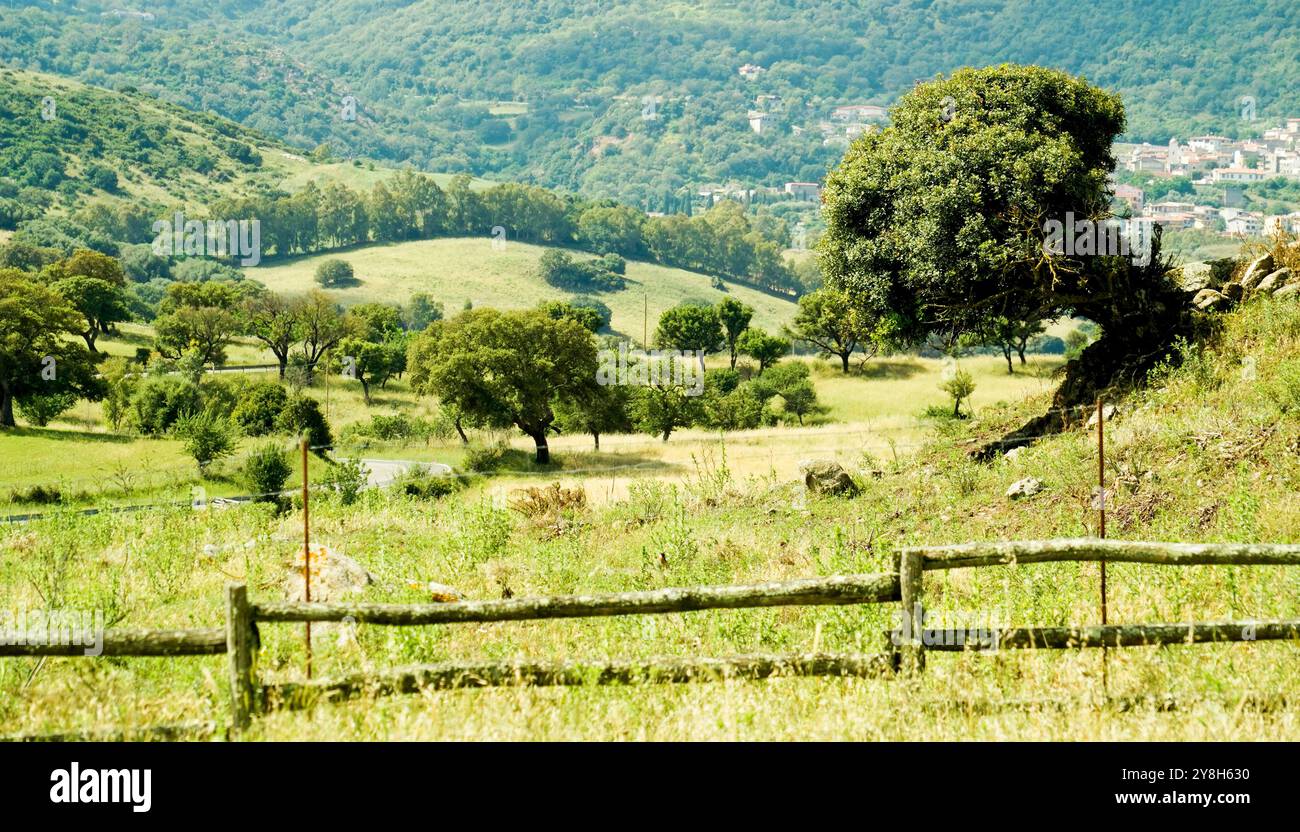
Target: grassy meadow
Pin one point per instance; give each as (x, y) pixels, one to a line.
(1207, 453)
(462, 269)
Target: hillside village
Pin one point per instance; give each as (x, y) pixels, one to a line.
(1220, 166)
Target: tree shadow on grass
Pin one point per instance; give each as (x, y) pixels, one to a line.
(883, 369)
(59, 435)
(517, 461)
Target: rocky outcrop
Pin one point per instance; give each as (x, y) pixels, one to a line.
(824, 476)
(1259, 278)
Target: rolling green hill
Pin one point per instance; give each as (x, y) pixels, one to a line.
(156, 152)
(469, 268)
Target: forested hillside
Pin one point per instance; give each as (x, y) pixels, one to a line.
(556, 92)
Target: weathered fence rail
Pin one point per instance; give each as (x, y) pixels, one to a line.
(124, 643)
(449, 676)
(999, 553)
(1118, 635)
(843, 589)
(239, 639)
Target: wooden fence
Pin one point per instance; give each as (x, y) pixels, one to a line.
(239, 639)
(914, 562)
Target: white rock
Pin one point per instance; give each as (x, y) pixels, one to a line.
(1027, 487)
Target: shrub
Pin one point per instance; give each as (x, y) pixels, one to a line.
(960, 387)
(480, 457)
(41, 410)
(266, 471)
(423, 483)
(40, 494)
(206, 436)
(258, 409)
(563, 272)
(346, 478)
(303, 414)
(159, 402)
(334, 272)
(549, 501)
(612, 263)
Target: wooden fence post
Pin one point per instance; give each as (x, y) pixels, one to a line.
(239, 651)
(911, 651)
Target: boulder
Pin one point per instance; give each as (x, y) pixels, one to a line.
(825, 476)
(333, 576)
(1208, 299)
(1274, 280)
(1258, 269)
(1288, 291)
(1194, 277)
(1027, 487)
(1108, 412)
(1233, 292)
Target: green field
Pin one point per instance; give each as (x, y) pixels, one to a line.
(1180, 469)
(464, 269)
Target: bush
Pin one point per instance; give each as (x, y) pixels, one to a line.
(41, 410)
(258, 409)
(549, 501)
(485, 457)
(423, 483)
(346, 478)
(266, 471)
(334, 272)
(39, 494)
(563, 272)
(159, 402)
(612, 263)
(960, 387)
(303, 414)
(206, 436)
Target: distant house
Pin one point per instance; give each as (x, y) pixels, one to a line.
(1147, 158)
(1212, 144)
(750, 71)
(1246, 225)
(1131, 196)
(1236, 174)
(859, 112)
(758, 122)
(804, 191)
(1162, 208)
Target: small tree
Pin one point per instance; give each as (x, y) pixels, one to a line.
(734, 317)
(960, 387)
(266, 471)
(827, 320)
(763, 348)
(596, 409)
(334, 273)
(303, 414)
(41, 410)
(690, 327)
(206, 436)
(258, 408)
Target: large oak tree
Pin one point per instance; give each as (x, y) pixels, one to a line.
(504, 368)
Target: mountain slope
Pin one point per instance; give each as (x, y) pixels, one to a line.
(428, 74)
